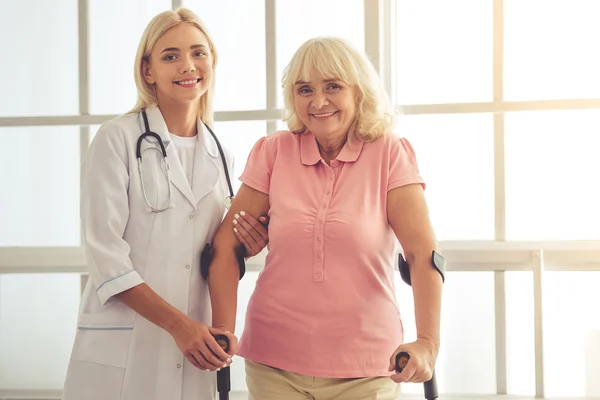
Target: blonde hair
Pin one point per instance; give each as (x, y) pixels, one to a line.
(159, 25)
(336, 58)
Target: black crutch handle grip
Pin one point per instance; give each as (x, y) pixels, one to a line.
(224, 375)
(429, 387)
(223, 342)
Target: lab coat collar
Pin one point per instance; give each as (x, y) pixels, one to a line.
(208, 142)
(158, 125)
(206, 168)
(206, 171)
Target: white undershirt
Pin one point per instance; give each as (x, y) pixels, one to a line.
(186, 147)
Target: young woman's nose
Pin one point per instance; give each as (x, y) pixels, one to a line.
(187, 65)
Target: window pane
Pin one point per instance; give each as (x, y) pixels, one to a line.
(281, 126)
(571, 333)
(467, 359)
(240, 42)
(39, 205)
(552, 169)
(298, 21)
(444, 51)
(520, 340)
(115, 29)
(550, 49)
(239, 137)
(456, 158)
(40, 72)
(38, 318)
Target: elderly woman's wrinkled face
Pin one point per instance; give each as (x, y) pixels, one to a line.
(326, 106)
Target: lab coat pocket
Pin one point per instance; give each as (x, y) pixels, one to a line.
(103, 346)
(113, 314)
(91, 381)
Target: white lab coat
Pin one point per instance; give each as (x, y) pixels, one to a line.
(117, 354)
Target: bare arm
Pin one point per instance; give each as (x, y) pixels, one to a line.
(409, 217)
(224, 274)
(194, 339)
(144, 301)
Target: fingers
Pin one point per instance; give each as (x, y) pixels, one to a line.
(244, 239)
(254, 228)
(414, 371)
(233, 344)
(245, 230)
(193, 359)
(407, 375)
(232, 340)
(217, 356)
(199, 361)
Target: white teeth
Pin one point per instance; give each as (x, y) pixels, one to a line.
(324, 115)
(188, 82)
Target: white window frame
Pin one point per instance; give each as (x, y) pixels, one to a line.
(498, 256)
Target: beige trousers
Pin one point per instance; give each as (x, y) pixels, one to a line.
(268, 383)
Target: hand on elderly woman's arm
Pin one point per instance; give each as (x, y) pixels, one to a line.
(409, 217)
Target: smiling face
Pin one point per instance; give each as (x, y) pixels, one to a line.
(180, 65)
(327, 107)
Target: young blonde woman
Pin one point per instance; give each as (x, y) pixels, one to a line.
(340, 188)
(154, 191)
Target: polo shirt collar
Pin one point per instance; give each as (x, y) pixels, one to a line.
(310, 150)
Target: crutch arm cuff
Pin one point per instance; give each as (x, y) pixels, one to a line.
(437, 261)
(206, 258)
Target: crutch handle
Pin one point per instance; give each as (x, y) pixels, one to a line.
(224, 375)
(429, 387)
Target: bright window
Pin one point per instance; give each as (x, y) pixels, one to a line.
(550, 49)
(39, 60)
(38, 319)
(552, 169)
(444, 51)
(115, 30)
(39, 206)
(240, 41)
(456, 158)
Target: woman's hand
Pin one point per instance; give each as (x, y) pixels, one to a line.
(419, 368)
(250, 232)
(197, 343)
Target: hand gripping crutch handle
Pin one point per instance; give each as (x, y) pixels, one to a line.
(439, 263)
(430, 387)
(224, 375)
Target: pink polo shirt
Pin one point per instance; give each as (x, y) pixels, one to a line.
(325, 303)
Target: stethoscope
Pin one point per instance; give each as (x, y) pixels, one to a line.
(163, 151)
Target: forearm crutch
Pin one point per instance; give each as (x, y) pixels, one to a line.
(439, 263)
(224, 375)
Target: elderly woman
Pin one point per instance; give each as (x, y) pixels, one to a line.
(340, 187)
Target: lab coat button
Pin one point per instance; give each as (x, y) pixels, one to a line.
(178, 365)
(187, 267)
(191, 217)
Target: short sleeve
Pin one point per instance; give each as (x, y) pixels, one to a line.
(105, 214)
(259, 167)
(403, 168)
